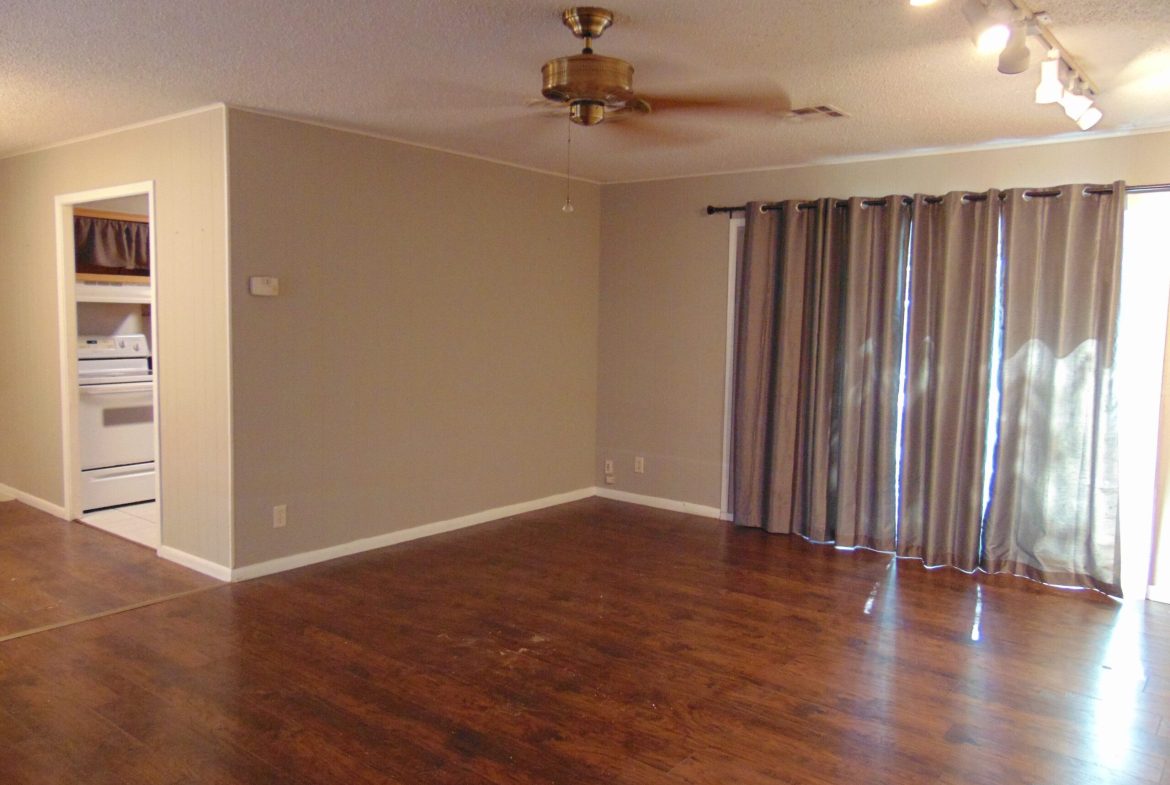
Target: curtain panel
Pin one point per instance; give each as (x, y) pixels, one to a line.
(787, 330)
(1054, 494)
(104, 245)
(949, 340)
(933, 377)
(818, 350)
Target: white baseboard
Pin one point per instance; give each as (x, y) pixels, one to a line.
(661, 504)
(296, 560)
(1160, 593)
(250, 571)
(55, 510)
(191, 562)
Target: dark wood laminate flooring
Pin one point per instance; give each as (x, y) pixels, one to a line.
(599, 642)
(54, 571)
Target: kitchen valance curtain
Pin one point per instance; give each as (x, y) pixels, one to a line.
(902, 384)
(105, 245)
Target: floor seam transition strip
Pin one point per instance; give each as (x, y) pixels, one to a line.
(103, 614)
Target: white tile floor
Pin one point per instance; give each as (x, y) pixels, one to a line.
(135, 522)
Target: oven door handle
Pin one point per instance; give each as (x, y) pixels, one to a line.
(116, 388)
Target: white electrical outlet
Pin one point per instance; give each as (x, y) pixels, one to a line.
(609, 480)
(639, 464)
(609, 466)
(279, 516)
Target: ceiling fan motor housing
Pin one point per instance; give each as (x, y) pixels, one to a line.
(589, 79)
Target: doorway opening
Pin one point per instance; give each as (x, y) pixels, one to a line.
(108, 324)
(1141, 341)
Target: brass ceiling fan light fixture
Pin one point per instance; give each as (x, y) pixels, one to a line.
(597, 88)
(591, 84)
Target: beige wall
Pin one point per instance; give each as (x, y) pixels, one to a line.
(664, 276)
(432, 352)
(185, 158)
(446, 340)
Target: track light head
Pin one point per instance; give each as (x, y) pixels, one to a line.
(1050, 88)
(1074, 100)
(1090, 118)
(1016, 57)
(990, 24)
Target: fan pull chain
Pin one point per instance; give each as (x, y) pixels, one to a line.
(568, 206)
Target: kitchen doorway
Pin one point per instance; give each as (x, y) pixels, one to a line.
(108, 325)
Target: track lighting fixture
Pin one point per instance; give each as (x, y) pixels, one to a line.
(1074, 100)
(1050, 88)
(1078, 106)
(1004, 26)
(989, 23)
(1090, 118)
(1016, 57)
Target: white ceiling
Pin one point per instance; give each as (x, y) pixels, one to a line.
(458, 74)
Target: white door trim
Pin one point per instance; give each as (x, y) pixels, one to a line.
(734, 233)
(67, 332)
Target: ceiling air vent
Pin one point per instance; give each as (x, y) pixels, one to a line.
(804, 114)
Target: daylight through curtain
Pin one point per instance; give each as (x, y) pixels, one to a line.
(1053, 513)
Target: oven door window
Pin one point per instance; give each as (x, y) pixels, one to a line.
(116, 424)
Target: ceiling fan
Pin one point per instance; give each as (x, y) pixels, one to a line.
(597, 88)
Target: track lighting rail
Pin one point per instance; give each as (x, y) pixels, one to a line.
(1039, 21)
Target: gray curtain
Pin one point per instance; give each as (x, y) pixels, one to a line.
(949, 335)
(787, 328)
(827, 293)
(818, 350)
(105, 245)
(1053, 513)
(871, 360)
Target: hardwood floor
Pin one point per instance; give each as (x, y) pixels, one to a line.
(54, 571)
(599, 642)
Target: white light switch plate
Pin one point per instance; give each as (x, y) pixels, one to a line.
(264, 286)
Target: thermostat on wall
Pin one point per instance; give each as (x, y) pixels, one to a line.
(263, 286)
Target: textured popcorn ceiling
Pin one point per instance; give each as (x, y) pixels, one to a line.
(457, 74)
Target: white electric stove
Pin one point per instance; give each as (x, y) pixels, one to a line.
(116, 420)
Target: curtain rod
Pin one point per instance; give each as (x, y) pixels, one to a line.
(1132, 189)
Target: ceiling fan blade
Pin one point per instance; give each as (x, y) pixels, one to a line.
(544, 108)
(771, 103)
(632, 108)
(630, 127)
